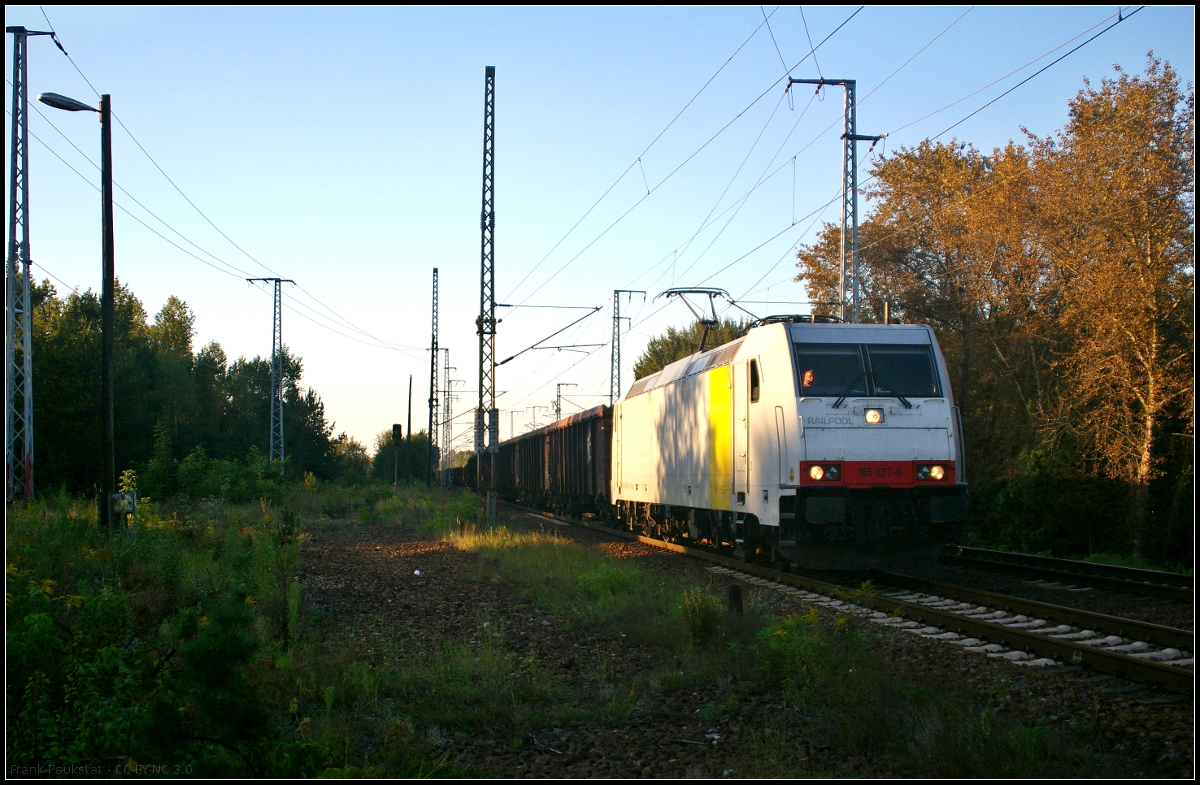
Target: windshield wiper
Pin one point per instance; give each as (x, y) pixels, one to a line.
(903, 400)
(837, 404)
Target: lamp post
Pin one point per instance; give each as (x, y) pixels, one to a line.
(108, 480)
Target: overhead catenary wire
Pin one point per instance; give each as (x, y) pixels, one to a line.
(42, 267)
(685, 162)
(1120, 17)
(808, 35)
(125, 210)
(824, 131)
(343, 320)
(763, 177)
(237, 270)
(767, 22)
(379, 344)
(976, 111)
(705, 223)
(1000, 79)
(629, 168)
(817, 217)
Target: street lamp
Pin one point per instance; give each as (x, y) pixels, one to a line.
(108, 480)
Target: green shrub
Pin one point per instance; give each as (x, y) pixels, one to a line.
(143, 647)
(702, 614)
(198, 476)
(794, 651)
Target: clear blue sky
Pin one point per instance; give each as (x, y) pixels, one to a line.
(342, 148)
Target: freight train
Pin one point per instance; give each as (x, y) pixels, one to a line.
(821, 444)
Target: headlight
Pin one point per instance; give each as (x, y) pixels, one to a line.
(930, 472)
(827, 473)
(874, 416)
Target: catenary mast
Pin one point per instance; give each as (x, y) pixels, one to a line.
(486, 322)
(18, 349)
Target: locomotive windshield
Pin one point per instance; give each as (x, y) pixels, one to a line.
(888, 370)
(830, 369)
(900, 369)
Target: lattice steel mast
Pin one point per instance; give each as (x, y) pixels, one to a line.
(447, 456)
(431, 452)
(850, 140)
(486, 322)
(275, 450)
(614, 374)
(18, 362)
(558, 398)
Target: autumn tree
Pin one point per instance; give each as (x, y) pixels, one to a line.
(1059, 278)
(1117, 198)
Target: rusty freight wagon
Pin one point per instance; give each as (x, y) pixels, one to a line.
(562, 467)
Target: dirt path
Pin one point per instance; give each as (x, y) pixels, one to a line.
(396, 591)
(360, 578)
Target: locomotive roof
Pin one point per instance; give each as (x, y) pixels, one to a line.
(860, 333)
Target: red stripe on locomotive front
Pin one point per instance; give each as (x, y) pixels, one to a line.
(870, 474)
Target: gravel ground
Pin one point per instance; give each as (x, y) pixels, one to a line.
(359, 578)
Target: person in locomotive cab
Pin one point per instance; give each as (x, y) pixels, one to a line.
(809, 379)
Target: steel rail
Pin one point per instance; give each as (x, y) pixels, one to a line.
(1126, 666)
(1130, 579)
(1100, 622)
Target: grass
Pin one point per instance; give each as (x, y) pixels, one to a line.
(183, 640)
(832, 676)
(581, 584)
(186, 641)
(836, 691)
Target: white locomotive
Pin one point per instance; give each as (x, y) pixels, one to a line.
(811, 441)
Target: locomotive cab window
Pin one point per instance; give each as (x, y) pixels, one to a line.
(830, 369)
(754, 381)
(903, 369)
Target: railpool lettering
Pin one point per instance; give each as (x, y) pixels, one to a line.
(826, 420)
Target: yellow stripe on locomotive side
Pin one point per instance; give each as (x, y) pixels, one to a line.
(720, 438)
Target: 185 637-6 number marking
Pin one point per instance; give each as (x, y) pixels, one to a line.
(881, 472)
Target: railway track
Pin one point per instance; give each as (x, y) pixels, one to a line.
(1175, 586)
(1022, 631)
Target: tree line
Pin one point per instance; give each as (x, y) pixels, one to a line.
(187, 422)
